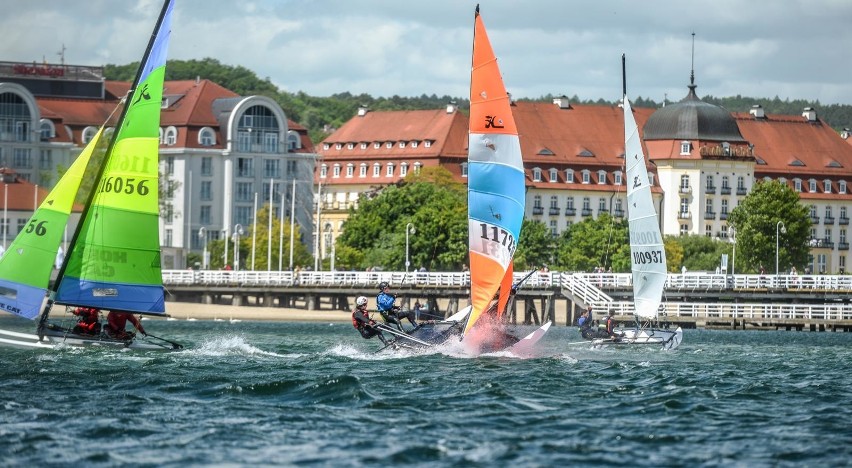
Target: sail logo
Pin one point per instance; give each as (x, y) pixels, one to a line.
(636, 182)
(143, 94)
(489, 122)
(644, 238)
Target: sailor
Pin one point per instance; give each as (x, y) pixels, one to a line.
(363, 323)
(585, 323)
(610, 326)
(116, 321)
(390, 312)
(88, 323)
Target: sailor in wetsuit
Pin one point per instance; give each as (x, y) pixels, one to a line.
(88, 323)
(390, 312)
(362, 322)
(585, 323)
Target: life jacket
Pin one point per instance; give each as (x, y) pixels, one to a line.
(355, 322)
(610, 324)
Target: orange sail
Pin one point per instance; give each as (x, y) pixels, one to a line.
(505, 290)
(496, 189)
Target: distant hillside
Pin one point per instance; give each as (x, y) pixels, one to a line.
(321, 115)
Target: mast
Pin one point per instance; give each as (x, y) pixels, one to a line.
(98, 179)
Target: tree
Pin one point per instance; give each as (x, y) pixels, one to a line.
(756, 222)
(600, 242)
(699, 253)
(432, 201)
(535, 247)
(674, 254)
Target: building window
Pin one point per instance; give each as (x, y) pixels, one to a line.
(537, 201)
(167, 238)
(553, 174)
(812, 186)
(389, 171)
(417, 166)
(797, 185)
(206, 190)
(553, 228)
(403, 169)
(402, 144)
(271, 168)
(708, 205)
(170, 165)
(414, 143)
(326, 146)
(204, 214)
(350, 145)
(685, 147)
(377, 170)
(617, 177)
(602, 205)
(46, 129)
(569, 203)
(684, 206)
(245, 167)
(841, 186)
(554, 202)
(740, 183)
(724, 234)
(389, 145)
(335, 172)
(363, 145)
(207, 166)
(427, 143)
(587, 204)
(323, 171)
(684, 229)
(244, 191)
(601, 177)
(569, 176)
(725, 182)
(350, 170)
(684, 183)
(88, 134)
(171, 136)
(270, 142)
(362, 170)
(708, 230)
(587, 176)
(45, 160)
(826, 186)
(724, 206)
(536, 173)
(710, 185)
(377, 145)
(206, 137)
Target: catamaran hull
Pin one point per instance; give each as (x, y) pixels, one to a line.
(55, 337)
(667, 339)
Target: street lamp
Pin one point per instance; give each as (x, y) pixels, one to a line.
(238, 231)
(202, 234)
(778, 225)
(409, 229)
(734, 241)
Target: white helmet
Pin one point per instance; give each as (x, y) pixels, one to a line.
(361, 301)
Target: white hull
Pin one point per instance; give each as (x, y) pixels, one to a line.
(58, 337)
(667, 339)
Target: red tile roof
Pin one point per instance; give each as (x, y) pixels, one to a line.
(22, 195)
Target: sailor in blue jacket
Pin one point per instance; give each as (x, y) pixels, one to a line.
(390, 312)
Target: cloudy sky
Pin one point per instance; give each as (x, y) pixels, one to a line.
(797, 49)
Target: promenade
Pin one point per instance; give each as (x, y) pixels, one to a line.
(795, 302)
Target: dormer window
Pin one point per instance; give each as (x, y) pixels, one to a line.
(587, 176)
(403, 169)
(427, 143)
(569, 175)
(685, 148)
(464, 169)
(336, 172)
(363, 145)
(617, 177)
(414, 143)
(350, 170)
(326, 146)
(350, 146)
(171, 136)
(797, 185)
(841, 186)
(389, 145)
(812, 186)
(323, 171)
(536, 174)
(206, 137)
(417, 167)
(826, 186)
(89, 133)
(651, 179)
(377, 145)
(338, 146)
(377, 169)
(601, 177)
(553, 174)
(46, 129)
(390, 170)
(362, 170)
(402, 144)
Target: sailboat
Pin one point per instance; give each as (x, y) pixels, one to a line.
(496, 197)
(647, 253)
(113, 259)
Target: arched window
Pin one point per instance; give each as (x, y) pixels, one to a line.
(258, 131)
(553, 174)
(536, 174)
(206, 137)
(46, 130)
(171, 136)
(89, 133)
(294, 142)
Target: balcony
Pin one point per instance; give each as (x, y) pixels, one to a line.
(710, 190)
(828, 220)
(843, 246)
(570, 211)
(709, 215)
(618, 213)
(602, 210)
(685, 189)
(827, 243)
(538, 210)
(725, 191)
(586, 212)
(554, 211)
(684, 215)
(723, 215)
(814, 219)
(843, 221)
(741, 191)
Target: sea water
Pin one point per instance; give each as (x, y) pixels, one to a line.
(266, 393)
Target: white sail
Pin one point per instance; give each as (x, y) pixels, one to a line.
(647, 255)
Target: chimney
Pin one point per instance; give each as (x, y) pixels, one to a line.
(846, 133)
(562, 102)
(809, 114)
(757, 111)
(362, 110)
(451, 107)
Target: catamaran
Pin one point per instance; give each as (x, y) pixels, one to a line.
(496, 197)
(113, 259)
(647, 254)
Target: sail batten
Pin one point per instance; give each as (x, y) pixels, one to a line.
(496, 190)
